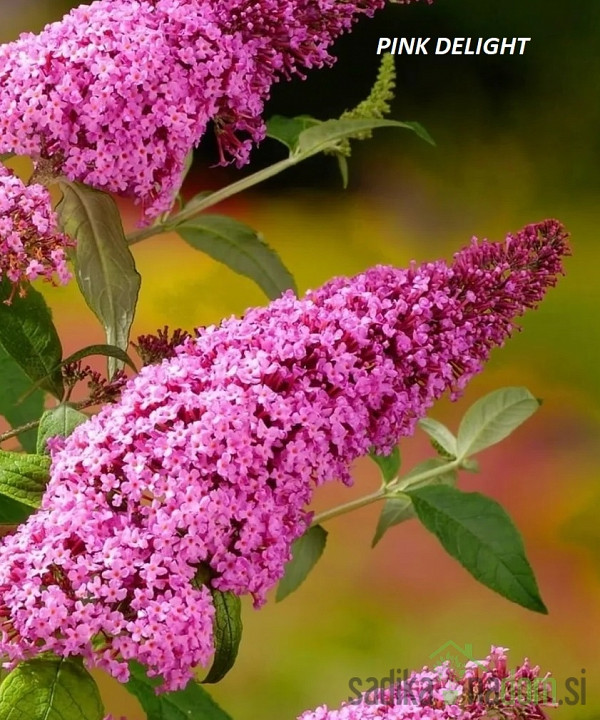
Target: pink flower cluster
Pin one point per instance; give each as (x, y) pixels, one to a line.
(30, 244)
(118, 92)
(486, 688)
(206, 464)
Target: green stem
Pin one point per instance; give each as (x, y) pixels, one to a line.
(194, 208)
(349, 506)
(16, 431)
(81, 405)
(387, 491)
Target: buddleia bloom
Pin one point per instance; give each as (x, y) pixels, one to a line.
(483, 689)
(30, 244)
(118, 92)
(199, 477)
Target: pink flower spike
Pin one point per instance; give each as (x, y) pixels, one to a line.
(118, 92)
(206, 464)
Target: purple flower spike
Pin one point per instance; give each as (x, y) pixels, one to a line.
(118, 92)
(209, 459)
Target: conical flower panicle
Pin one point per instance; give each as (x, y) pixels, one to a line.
(210, 458)
(118, 92)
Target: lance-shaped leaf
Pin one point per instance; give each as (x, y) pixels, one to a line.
(287, 130)
(12, 513)
(104, 266)
(13, 385)
(399, 508)
(240, 248)
(388, 464)
(28, 335)
(324, 136)
(442, 439)
(23, 477)
(61, 420)
(227, 627)
(193, 702)
(494, 417)
(48, 688)
(306, 551)
(109, 351)
(476, 531)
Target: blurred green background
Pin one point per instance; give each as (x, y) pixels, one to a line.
(517, 141)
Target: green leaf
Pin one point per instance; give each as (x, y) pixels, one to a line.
(494, 417)
(193, 702)
(48, 688)
(13, 384)
(104, 266)
(241, 248)
(61, 420)
(325, 135)
(13, 512)
(287, 130)
(28, 335)
(306, 551)
(470, 465)
(388, 464)
(227, 633)
(110, 351)
(476, 531)
(440, 435)
(395, 511)
(23, 477)
(399, 508)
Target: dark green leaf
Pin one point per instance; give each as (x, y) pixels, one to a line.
(13, 512)
(388, 464)
(13, 384)
(227, 633)
(241, 248)
(476, 531)
(287, 130)
(325, 135)
(104, 266)
(193, 702)
(61, 420)
(23, 477)
(306, 551)
(47, 688)
(494, 417)
(399, 508)
(439, 434)
(28, 335)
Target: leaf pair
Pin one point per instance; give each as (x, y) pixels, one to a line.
(472, 528)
